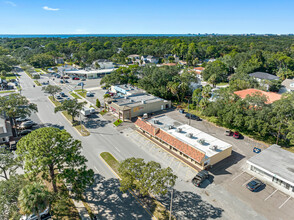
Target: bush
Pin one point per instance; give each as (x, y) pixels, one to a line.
(36, 76)
(98, 104)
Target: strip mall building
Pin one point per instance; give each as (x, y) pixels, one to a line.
(191, 144)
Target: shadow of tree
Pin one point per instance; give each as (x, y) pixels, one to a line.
(106, 199)
(94, 122)
(188, 205)
(52, 125)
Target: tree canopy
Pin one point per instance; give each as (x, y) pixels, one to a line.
(57, 156)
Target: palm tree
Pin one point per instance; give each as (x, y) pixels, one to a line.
(33, 199)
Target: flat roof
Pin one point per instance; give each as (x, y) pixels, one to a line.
(166, 122)
(277, 161)
(135, 100)
(129, 89)
(90, 71)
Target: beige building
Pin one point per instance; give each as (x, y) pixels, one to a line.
(191, 144)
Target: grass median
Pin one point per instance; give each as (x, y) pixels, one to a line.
(80, 128)
(81, 93)
(103, 112)
(117, 122)
(75, 95)
(37, 83)
(157, 209)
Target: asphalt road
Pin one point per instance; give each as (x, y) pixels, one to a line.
(189, 202)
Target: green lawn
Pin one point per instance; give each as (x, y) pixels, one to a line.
(10, 76)
(81, 128)
(7, 91)
(103, 112)
(75, 95)
(111, 161)
(29, 74)
(117, 122)
(222, 84)
(81, 93)
(37, 83)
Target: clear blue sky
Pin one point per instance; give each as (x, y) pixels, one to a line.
(146, 17)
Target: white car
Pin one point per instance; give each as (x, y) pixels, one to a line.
(34, 217)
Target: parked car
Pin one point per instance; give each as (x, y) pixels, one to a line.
(193, 117)
(76, 78)
(58, 76)
(43, 214)
(89, 94)
(228, 133)
(58, 97)
(22, 119)
(27, 124)
(66, 81)
(236, 135)
(254, 185)
(83, 79)
(62, 94)
(200, 177)
(61, 81)
(182, 111)
(25, 132)
(104, 87)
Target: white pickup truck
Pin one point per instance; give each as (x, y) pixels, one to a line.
(87, 111)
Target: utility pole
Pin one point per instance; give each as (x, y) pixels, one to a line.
(171, 203)
(188, 112)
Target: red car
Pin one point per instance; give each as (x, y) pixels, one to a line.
(76, 78)
(236, 135)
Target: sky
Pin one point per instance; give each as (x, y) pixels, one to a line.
(146, 17)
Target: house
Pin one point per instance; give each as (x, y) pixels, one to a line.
(274, 165)
(198, 71)
(191, 144)
(182, 62)
(119, 50)
(3, 84)
(5, 131)
(176, 60)
(149, 59)
(271, 96)
(59, 60)
(259, 76)
(131, 102)
(210, 60)
(169, 64)
(135, 58)
(288, 85)
(103, 64)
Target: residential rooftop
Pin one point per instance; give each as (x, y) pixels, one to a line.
(276, 160)
(190, 135)
(271, 96)
(263, 75)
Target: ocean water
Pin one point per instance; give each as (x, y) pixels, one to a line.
(89, 35)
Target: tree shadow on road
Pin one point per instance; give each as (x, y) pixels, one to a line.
(106, 199)
(188, 205)
(93, 123)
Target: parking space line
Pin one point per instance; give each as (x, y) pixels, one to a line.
(285, 202)
(238, 176)
(248, 181)
(270, 195)
(96, 169)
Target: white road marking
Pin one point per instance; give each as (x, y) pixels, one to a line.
(285, 202)
(270, 195)
(238, 176)
(117, 149)
(248, 181)
(96, 169)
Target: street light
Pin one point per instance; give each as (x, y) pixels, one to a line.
(171, 203)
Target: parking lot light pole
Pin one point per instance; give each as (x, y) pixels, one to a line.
(171, 203)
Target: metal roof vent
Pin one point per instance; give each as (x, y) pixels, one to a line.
(170, 127)
(201, 141)
(132, 100)
(143, 102)
(214, 147)
(156, 121)
(126, 97)
(179, 130)
(189, 135)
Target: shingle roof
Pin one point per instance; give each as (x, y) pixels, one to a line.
(271, 96)
(262, 75)
(183, 147)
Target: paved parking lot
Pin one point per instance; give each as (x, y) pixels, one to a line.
(269, 201)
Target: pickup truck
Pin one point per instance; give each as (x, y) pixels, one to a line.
(200, 177)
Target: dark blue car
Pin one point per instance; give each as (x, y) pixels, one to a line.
(254, 185)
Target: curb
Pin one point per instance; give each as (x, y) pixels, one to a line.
(69, 121)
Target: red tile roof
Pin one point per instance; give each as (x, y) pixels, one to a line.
(171, 140)
(199, 68)
(169, 64)
(271, 96)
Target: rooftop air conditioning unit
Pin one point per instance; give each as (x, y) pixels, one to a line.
(189, 135)
(155, 121)
(126, 97)
(170, 127)
(143, 102)
(214, 147)
(179, 130)
(201, 141)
